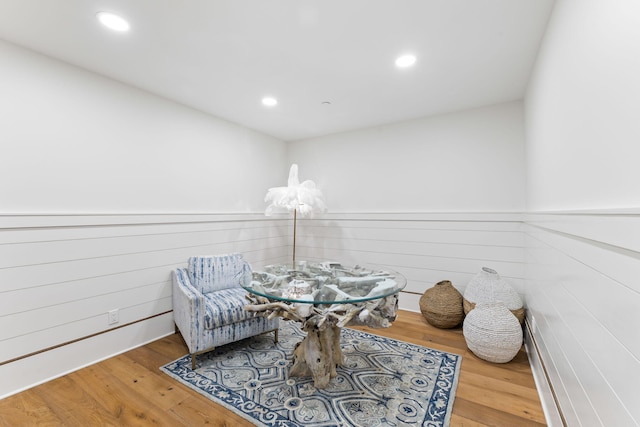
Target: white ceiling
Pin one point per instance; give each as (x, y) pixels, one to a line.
(223, 56)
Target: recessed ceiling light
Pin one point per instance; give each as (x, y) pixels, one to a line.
(113, 21)
(269, 101)
(405, 61)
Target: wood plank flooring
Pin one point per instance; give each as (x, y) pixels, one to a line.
(130, 390)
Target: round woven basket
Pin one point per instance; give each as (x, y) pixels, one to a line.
(441, 305)
(486, 287)
(492, 332)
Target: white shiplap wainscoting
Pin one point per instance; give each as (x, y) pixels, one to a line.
(60, 275)
(424, 247)
(578, 274)
(583, 305)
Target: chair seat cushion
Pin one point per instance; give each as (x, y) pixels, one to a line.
(225, 307)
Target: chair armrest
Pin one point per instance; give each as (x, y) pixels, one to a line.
(188, 308)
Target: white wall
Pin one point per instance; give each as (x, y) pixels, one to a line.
(73, 141)
(471, 161)
(433, 198)
(104, 189)
(582, 109)
(582, 236)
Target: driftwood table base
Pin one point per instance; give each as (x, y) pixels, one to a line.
(317, 356)
(319, 353)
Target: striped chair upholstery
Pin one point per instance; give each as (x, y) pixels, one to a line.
(208, 303)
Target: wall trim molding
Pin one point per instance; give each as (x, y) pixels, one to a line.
(552, 411)
(13, 221)
(45, 366)
(612, 228)
(69, 219)
(424, 216)
(620, 211)
(106, 331)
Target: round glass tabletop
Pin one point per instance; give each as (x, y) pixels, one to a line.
(325, 283)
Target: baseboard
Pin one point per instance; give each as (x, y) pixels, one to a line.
(409, 301)
(552, 413)
(39, 368)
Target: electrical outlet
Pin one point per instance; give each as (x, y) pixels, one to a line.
(113, 317)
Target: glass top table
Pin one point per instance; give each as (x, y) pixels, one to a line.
(325, 283)
(324, 297)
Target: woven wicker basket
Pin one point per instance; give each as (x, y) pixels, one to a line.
(486, 287)
(441, 305)
(492, 332)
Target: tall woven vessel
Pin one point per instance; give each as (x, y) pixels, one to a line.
(492, 332)
(487, 287)
(441, 305)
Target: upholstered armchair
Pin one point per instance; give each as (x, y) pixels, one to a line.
(208, 303)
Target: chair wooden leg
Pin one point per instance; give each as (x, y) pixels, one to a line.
(198, 353)
(275, 336)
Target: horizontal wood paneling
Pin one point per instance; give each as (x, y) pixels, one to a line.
(39, 368)
(616, 229)
(51, 220)
(26, 276)
(425, 248)
(60, 275)
(583, 297)
(32, 298)
(137, 241)
(80, 328)
(59, 280)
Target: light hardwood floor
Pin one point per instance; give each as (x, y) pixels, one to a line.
(130, 390)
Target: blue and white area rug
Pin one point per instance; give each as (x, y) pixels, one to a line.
(384, 382)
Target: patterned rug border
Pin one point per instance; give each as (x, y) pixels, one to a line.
(233, 400)
(209, 394)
